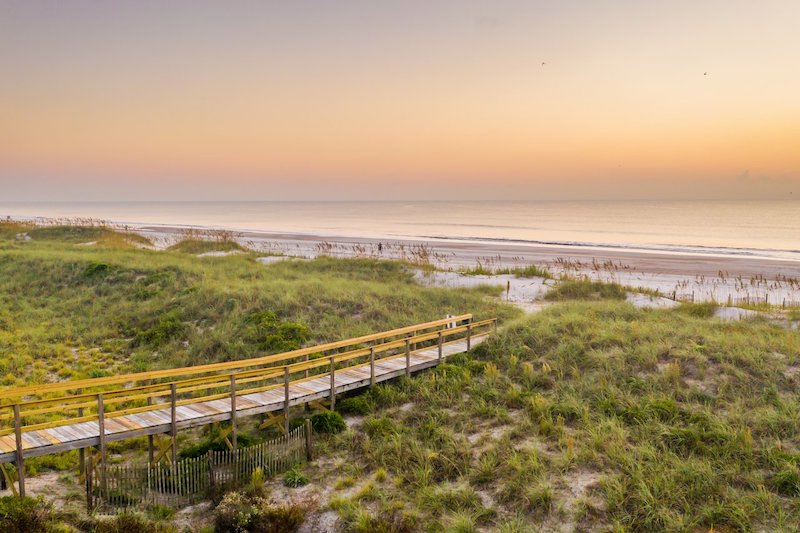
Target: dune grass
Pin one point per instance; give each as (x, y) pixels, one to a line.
(590, 414)
(202, 246)
(73, 311)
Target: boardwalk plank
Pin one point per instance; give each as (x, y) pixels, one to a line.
(200, 413)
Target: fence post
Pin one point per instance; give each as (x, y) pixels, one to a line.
(173, 413)
(20, 455)
(372, 366)
(286, 399)
(234, 429)
(469, 336)
(440, 342)
(309, 452)
(89, 483)
(101, 422)
(211, 471)
(408, 358)
(333, 382)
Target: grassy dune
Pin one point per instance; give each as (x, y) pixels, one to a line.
(590, 415)
(70, 310)
(594, 415)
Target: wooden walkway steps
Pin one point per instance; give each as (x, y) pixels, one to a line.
(54, 418)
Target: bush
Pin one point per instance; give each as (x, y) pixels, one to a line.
(24, 515)
(96, 269)
(357, 405)
(239, 513)
(295, 478)
(328, 422)
(129, 523)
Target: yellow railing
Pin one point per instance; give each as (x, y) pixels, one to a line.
(85, 400)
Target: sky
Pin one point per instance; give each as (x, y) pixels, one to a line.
(359, 100)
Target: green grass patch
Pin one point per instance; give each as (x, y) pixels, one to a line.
(584, 289)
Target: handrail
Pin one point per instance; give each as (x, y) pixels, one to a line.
(208, 383)
(201, 369)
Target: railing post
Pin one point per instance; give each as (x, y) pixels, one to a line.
(440, 342)
(82, 451)
(150, 450)
(309, 452)
(20, 455)
(173, 414)
(469, 335)
(101, 422)
(333, 382)
(408, 358)
(89, 485)
(372, 366)
(286, 399)
(234, 428)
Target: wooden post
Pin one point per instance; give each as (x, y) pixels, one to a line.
(211, 470)
(89, 483)
(333, 382)
(234, 428)
(469, 336)
(101, 422)
(408, 358)
(286, 399)
(82, 451)
(372, 366)
(173, 414)
(309, 452)
(150, 450)
(20, 455)
(440, 342)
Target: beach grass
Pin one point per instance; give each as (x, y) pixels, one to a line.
(590, 415)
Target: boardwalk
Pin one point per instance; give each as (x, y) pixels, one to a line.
(87, 413)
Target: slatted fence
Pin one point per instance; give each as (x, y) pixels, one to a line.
(189, 481)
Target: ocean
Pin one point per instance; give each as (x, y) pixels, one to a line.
(753, 228)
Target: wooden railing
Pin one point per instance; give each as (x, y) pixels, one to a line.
(55, 405)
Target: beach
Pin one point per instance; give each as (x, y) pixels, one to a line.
(681, 275)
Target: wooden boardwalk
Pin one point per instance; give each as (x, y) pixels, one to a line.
(168, 401)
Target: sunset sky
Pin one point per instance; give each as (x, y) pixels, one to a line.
(256, 100)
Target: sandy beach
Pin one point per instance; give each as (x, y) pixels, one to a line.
(686, 276)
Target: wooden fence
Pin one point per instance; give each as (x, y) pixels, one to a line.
(188, 481)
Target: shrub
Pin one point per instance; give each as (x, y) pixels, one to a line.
(238, 513)
(295, 478)
(96, 270)
(357, 405)
(24, 515)
(328, 422)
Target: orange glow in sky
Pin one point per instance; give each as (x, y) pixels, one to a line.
(463, 99)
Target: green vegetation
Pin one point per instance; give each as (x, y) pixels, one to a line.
(487, 268)
(584, 289)
(202, 246)
(590, 415)
(69, 311)
(329, 422)
(294, 477)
